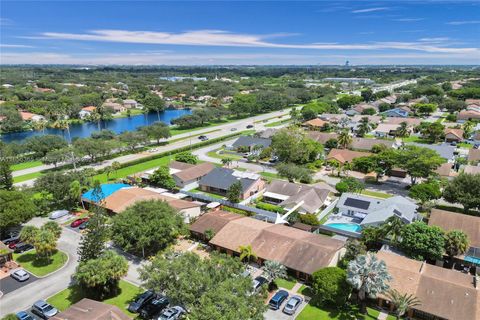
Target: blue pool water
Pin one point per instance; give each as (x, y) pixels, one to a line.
(117, 125)
(473, 260)
(107, 190)
(351, 227)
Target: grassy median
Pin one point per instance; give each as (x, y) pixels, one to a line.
(40, 266)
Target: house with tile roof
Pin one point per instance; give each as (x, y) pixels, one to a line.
(344, 156)
(453, 135)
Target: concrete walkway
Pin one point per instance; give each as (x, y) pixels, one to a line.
(382, 316)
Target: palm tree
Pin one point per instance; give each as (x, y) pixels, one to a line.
(402, 131)
(246, 253)
(28, 234)
(76, 191)
(369, 276)
(295, 115)
(456, 243)
(40, 125)
(274, 270)
(393, 227)
(227, 162)
(364, 127)
(402, 302)
(108, 171)
(97, 117)
(115, 166)
(344, 139)
(63, 124)
(467, 128)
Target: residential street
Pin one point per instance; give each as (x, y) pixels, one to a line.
(42, 288)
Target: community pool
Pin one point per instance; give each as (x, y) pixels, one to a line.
(350, 227)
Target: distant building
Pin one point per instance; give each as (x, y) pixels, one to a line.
(86, 111)
(453, 135)
(344, 156)
(350, 80)
(28, 116)
(129, 104)
(249, 142)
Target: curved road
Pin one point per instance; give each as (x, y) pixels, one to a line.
(23, 298)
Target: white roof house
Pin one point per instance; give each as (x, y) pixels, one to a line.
(374, 211)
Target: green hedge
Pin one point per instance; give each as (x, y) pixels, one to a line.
(268, 207)
(174, 151)
(239, 211)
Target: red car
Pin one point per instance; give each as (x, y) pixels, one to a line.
(13, 244)
(78, 222)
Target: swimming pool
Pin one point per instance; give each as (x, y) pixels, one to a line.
(107, 190)
(350, 227)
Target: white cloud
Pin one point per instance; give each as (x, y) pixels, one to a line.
(459, 23)
(408, 19)
(172, 58)
(4, 45)
(370, 10)
(230, 39)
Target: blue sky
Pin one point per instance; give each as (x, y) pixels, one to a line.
(234, 32)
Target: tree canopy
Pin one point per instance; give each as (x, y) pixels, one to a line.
(421, 241)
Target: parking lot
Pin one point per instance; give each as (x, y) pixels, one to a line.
(279, 315)
(9, 284)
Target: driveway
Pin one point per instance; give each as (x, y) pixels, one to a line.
(279, 315)
(9, 284)
(23, 298)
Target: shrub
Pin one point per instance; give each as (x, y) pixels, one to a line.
(330, 285)
(309, 219)
(268, 207)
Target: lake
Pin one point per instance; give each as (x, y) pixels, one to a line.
(117, 125)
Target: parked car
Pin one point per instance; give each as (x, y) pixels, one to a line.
(258, 282)
(292, 305)
(154, 307)
(83, 225)
(250, 126)
(43, 309)
(58, 214)
(20, 275)
(13, 238)
(172, 313)
(22, 247)
(276, 301)
(12, 244)
(78, 222)
(476, 146)
(140, 301)
(233, 129)
(22, 315)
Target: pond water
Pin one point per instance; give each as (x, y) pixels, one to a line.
(117, 125)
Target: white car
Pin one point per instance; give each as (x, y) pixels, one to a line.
(58, 214)
(20, 275)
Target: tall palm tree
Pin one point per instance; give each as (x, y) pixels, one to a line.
(227, 162)
(344, 139)
(402, 131)
(364, 127)
(246, 253)
(115, 166)
(393, 227)
(295, 115)
(369, 276)
(63, 124)
(75, 191)
(40, 125)
(274, 270)
(456, 243)
(402, 302)
(467, 128)
(97, 117)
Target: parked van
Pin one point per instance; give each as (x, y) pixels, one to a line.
(277, 300)
(58, 214)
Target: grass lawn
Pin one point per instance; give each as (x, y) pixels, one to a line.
(376, 194)
(465, 145)
(213, 195)
(311, 312)
(40, 267)
(285, 283)
(65, 298)
(415, 139)
(277, 123)
(269, 176)
(26, 177)
(122, 173)
(25, 165)
(216, 155)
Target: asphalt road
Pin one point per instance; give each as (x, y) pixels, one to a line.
(9, 284)
(42, 288)
(222, 130)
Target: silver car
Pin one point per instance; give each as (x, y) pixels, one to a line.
(20, 275)
(292, 305)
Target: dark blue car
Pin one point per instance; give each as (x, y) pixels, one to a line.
(277, 299)
(22, 315)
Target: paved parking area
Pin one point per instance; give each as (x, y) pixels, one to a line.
(9, 284)
(279, 315)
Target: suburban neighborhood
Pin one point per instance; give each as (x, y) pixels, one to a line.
(242, 190)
